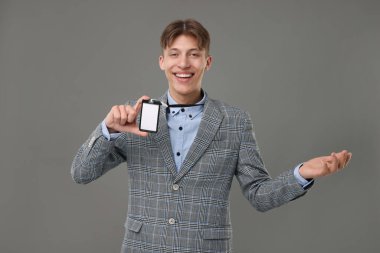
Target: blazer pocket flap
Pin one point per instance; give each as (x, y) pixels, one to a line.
(133, 225)
(217, 233)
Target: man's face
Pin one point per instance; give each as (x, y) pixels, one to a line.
(184, 65)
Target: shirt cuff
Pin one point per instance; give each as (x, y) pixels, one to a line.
(107, 134)
(302, 181)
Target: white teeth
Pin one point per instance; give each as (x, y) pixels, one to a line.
(183, 75)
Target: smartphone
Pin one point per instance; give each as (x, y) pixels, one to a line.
(149, 116)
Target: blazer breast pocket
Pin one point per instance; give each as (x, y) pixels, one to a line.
(223, 144)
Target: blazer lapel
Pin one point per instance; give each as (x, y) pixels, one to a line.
(162, 138)
(208, 127)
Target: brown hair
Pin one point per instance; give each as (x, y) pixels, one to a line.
(189, 27)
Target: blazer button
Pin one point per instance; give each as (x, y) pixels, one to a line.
(171, 221)
(175, 187)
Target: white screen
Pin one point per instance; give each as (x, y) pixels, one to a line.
(149, 117)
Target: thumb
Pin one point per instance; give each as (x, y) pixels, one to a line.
(136, 131)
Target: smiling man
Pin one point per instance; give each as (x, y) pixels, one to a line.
(180, 177)
(185, 58)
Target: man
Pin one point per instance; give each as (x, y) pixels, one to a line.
(180, 177)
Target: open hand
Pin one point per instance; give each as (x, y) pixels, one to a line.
(325, 165)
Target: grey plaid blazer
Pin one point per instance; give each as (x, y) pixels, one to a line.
(186, 211)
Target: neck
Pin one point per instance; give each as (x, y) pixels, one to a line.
(188, 99)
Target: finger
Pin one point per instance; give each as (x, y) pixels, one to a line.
(116, 114)
(341, 159)
(348, 158)
(123, 115)
(131, 114)
(109, 118)
(334, 165)
(342, 156)
(136, 131)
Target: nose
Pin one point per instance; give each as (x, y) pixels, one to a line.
(183, 62)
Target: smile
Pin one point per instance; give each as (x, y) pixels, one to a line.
(184, 75)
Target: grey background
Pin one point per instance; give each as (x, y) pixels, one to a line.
(307, 71)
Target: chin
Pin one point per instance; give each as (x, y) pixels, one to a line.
(186, 91)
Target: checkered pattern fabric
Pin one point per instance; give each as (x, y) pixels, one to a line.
(187, 211)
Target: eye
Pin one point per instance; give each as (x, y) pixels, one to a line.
(194, 55)
(173, 54)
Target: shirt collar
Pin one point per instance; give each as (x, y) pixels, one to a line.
(193, 110)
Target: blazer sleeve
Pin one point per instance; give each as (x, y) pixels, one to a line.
(95, 157)
(263, 192)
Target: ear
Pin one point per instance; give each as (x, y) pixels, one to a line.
(208, 62)
(161, 62)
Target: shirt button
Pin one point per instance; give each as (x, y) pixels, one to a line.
(171, 221)
(190, 116)
(182, 110)
(178, 153)
(175, 187)
(180, 128)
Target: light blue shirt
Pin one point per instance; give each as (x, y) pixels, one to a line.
(183, 124)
